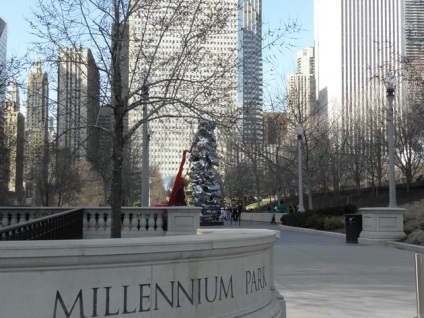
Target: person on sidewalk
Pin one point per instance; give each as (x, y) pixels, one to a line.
(273, 218)
(281, 207)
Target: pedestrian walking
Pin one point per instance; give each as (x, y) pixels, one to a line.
(273, 218)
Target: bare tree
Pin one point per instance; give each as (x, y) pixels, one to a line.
(409, 130)
(238, 183)
(305, 110)
(374, 124)
(68, 181)
(355, 149)
(158, 193)
(126, 38)
(103, 26)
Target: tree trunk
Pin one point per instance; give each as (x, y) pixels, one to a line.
(408, 181)
(116, 187)
(310, 203)
(106, 190)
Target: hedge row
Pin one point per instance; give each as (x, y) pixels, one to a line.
(320, 219)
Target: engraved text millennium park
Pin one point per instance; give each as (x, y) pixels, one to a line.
(139, 298)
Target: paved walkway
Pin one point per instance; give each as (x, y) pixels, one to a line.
(324, 277)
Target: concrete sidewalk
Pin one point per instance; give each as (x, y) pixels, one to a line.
(325, 277)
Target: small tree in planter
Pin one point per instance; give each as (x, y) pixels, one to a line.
(206, 192)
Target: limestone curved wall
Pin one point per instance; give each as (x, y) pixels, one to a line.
(219, 273)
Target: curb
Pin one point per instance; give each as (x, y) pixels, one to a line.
(312, 231)
(405, 246)
(399, 245)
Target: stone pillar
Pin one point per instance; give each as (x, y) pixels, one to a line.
(183, 220)
(380, 225)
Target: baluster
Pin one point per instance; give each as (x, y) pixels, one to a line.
(159, 222)
(22, 217)
(85, 220)
(126, 222)
(14, 218)
(151, 222)
(31, 215)
(5, 219)
(92, 222)
(101, 222)
(143, 221)
(108, 220)
(134, 222)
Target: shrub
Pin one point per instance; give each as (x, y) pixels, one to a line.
(295, 219)
(412, 221)
(332, 222)
(416, 237)
(312, 220)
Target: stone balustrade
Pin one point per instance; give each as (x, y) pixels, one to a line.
(16, 215)
(136, 222)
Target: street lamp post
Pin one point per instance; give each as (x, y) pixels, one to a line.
(299, 132)
(145, 185)
(390, 83)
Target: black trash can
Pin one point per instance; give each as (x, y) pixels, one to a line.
(353, 227)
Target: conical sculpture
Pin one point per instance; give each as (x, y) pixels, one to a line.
(206, 192)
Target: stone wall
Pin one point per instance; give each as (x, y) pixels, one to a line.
(217, 273)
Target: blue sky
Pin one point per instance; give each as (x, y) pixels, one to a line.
(274, 12)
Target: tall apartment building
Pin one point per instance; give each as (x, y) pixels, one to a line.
(77, 102)
(14, 125)
(104, 148)
(37, 134)
(306, 61)
(414, 31)
(3, 55)
(3, 84)
(414, 51)
(250, 73)
(237, 42)
(362, 40)
(301, 101)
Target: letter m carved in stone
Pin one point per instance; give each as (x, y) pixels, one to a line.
(65, 310)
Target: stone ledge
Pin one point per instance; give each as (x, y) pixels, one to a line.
(399, 245)
(97, 252)
(312, 231)
(406, 246)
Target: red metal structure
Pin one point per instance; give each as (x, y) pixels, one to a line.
(177, 197)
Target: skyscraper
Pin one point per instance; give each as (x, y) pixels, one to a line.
(301, 100)
(363, 40)
(37, 134)
(14, 125)
(235, 46)
(250, 72)
(78, 102)
(3, 51)
(3, 84)
(414, 51)
(414, 30)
